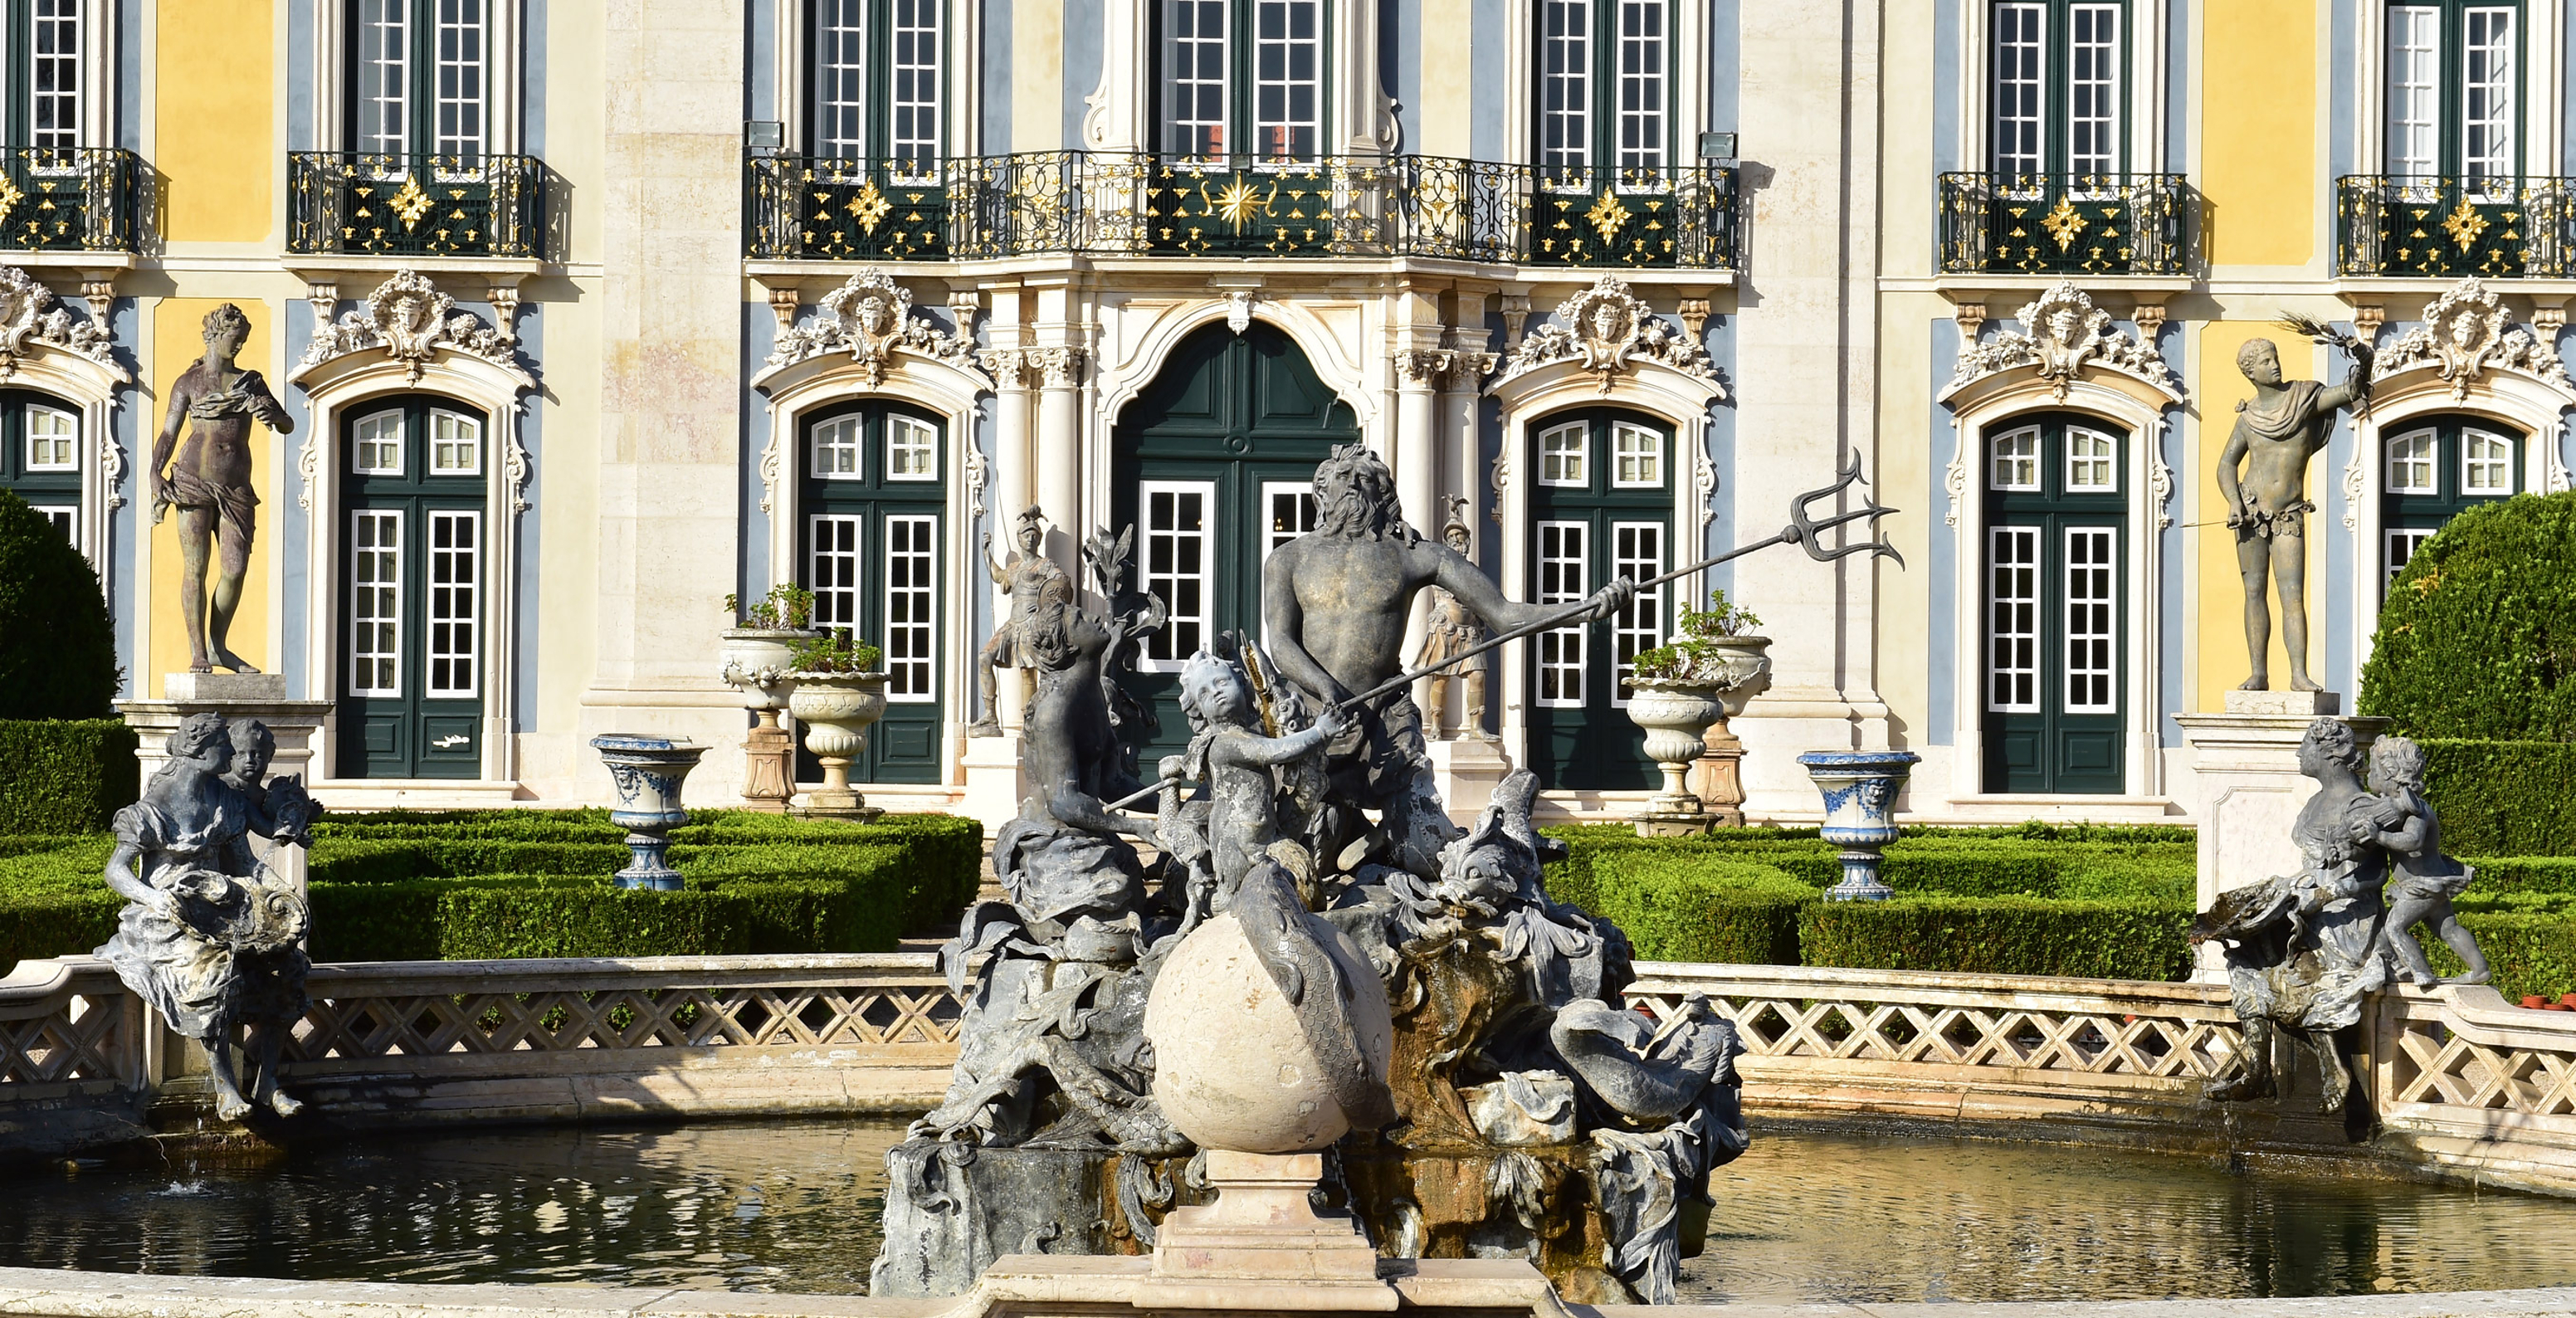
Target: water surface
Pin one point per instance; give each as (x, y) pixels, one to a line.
(794, 1206)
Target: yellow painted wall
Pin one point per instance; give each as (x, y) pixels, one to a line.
(213, 134)
(1037, 76)
(178, 339)
(2258, 165)
(2219, 638)
(1448, 77)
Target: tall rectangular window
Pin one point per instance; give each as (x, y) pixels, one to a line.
(460, 78)
(2012, 625)
(1604, 94)
(375, 603)
(455, 586)
(1637, 553)
(1643, 76)
(2414, 90)
(1564, 554)
(2452, 90)
(832, 568)
(1565, 85)
(840, 79)
(912, 67)
(383, 82)
(1179, 564)
(2057, 85)
(911, 608)
(2021, 86)
(1287, 79)
(2093, 90)
(1197, 77)
(2487, 100)
(419, 77)
(2092, 606)
(54, 75)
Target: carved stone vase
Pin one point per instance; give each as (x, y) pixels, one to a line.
(1677, 713)
(1860, 813)
(835, 710)
(756, 661)
(646, 773)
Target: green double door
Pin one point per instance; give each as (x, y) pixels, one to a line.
(1601, 507)
(1214, 467)
(872, 494)
(413, 565)
(2054, 609)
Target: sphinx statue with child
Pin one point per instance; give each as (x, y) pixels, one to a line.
(1464, 1053)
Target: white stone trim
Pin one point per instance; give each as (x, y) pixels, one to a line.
(2120, 400)
(948, 390)
(342, 385)
(48, 347)
(2145, 149)
(2543, 96)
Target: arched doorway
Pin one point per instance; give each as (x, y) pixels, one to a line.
(2056, 605)
(1214, 466)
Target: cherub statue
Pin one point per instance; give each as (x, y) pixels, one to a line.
(2422, 880)
(1229, 753)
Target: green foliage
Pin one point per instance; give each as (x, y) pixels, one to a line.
(65, 775)
(2503, 798)
(1690, 651)
(57, 647)
(2000, 935)
(2529, 953)
(786, 608)
(2477, 638)
(835, 651)
(412, 886)
(1698, 908)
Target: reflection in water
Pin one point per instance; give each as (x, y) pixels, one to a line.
(1857, 1217)
(792, 1206)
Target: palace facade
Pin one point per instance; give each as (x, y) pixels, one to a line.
(589, 316)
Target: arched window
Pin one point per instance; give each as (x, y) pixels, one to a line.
(1605, 71)
(2056, 595)
(414, 579)
(40, 455)
(2437, 469)
(1241, 77)
(872, 495)
(877, 86)
(1600, 508)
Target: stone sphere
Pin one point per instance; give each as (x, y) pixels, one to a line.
(1232, 1070)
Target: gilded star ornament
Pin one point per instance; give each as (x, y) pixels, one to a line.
(2063, 224)
(869, 206)
(1238, 203)
(410, 204)
(2464, 225)
(1607, 215)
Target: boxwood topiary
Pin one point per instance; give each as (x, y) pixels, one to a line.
(2477, 637)
(57, 648)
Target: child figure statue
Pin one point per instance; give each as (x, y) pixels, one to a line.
(2422, 880)
(1230, 755)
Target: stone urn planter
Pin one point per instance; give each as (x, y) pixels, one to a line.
(646, 773)
(835, 710)
(1860, 813)
(757, 661)
(1718, 675)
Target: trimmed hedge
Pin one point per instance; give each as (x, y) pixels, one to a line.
(472, 885)
(2000, 936)
(65, 775)
(57, 646)
(2477, 638)
(1697, 908)
(2503, 798)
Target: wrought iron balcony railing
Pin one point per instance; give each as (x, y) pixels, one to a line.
(805, 208)
(2051, 224)
(354, 203)
(2393, 224)
(81, 199)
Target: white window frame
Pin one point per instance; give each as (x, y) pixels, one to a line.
(69, 436)
(911, 435)
(1209, 534)
(900, 688)
(64, 516)
(363, 651)
(1657, 85)
(2411, 538)
(335, 77)
(1288, 45)
(2022, 156)
(362, 445)
(2026, 445)
(2412, 60)
(2499, 161)
(1653, 453)
(1639, 625)
(2502, 466)
(469, 657)
(2430, 462)
(836, 602)
(1550, 656)
(849, 437)
(1564, 100)
(2106, 462)
(2105, 161)
(466, 423)
(1992, 636)
(1574, 469)
(1194, 134)
(2142, 83)
(2110, 603)
(2537, 125)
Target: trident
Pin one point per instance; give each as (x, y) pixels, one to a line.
(1804, 530)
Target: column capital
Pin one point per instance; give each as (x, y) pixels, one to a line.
(1057, 368)
(1421, 368)
(1009, 367)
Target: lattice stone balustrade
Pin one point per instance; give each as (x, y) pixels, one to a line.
(2461, 1081)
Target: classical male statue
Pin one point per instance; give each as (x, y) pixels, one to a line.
(209, 935)
(1029, 580)
(1336, 601)
(2277, 432)
(210, 482)
(1451, 632)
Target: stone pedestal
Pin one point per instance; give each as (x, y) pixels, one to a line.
(768, 766)
(2247, 788)
(1261, 1245)
(296, 724)
(1468, 769)
(994, 783)
(1718, 777)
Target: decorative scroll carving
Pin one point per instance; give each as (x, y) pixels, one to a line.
(2160, 488)
(111, 469)
(1008, 366)
(976, 466)
(2062, 333)
(1955, 481)
(1606, 327)
(2467, 332)
(32, 319)
(1238, 309)
(2356, 478)
(1421, 366)
(870, 318)
(1502, 480)
(412, 322)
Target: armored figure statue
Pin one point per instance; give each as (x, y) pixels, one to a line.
(210, 483)
(1336, 601)
(2422, 881)
(1032, 583)
(1452, 632)
(2263, 476)
(209, 935)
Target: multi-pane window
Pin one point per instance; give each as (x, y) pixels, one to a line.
(419, 77)
(40, 456)
(1178, 563)
(2453, 74)
(877, 85)
(1564, 455)
(1288, 511)
(1564, 557)
(1637, 455)
(1601, 508)
(1637, 553)
(46, 62)
(2054, 598)
(1241, 77)
(414, 559)
(1604, 86)
(871, 519)
(2057, 87)
(2437, 470)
